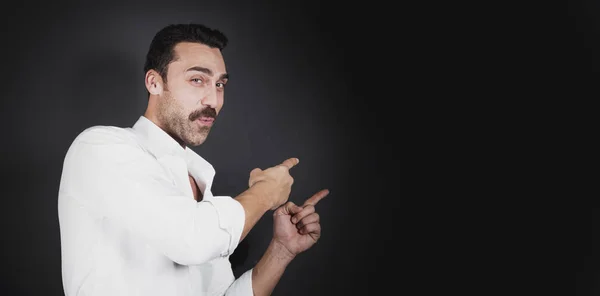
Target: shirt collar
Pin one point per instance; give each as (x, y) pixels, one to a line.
(160, 144)
(156, 140)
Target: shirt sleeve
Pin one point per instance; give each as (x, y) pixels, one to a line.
(242, 286)
(113, 178)
(231, 216)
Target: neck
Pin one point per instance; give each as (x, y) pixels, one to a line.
(152, 116)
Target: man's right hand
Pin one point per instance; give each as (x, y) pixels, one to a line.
(274, 183)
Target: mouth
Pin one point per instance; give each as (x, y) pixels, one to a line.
(205, 121)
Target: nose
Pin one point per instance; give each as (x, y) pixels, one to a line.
(210, 99)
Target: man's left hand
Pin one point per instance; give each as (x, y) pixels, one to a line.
(297, 228)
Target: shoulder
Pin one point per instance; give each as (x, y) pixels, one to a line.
(104, 145)
(104, 140)
(106, 135)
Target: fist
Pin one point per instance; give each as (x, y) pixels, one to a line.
(274, 183)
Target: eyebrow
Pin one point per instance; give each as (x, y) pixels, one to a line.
(207, 71)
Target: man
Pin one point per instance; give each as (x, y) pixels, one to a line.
(136, 211)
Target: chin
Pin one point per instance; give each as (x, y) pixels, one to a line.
(196, 141)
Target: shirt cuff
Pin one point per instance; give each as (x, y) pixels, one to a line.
(232, 218)
(241, 286)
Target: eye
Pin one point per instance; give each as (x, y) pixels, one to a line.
(196, 80)
(220, 85)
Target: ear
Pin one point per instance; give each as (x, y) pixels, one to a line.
(154, 82)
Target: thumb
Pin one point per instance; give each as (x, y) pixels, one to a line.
(295, 209)
(253, 175)
(287, 209)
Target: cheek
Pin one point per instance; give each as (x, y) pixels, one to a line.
(220, 103)
(188, 98)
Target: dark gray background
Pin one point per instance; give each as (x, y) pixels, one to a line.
(581, 54)
(426, 121)
(307, 80)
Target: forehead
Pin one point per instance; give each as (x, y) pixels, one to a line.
(189, 54)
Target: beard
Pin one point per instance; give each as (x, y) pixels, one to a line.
(180, 124)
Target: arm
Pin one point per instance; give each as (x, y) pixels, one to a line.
(268, 271)
(296, 229)
(254, 207)
(262, 195)
(111, 178)
(262, 279)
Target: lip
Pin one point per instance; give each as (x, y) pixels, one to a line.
(206, 121)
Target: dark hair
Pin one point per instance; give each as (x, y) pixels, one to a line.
(161, 51)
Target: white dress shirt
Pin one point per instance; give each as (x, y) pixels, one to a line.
(129, 224)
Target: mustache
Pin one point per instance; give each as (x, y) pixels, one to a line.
(206, 112)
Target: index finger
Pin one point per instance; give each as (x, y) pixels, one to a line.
(313, 200)
(290, 162)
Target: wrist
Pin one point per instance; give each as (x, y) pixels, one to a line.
(280, 251)
(259, 193)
